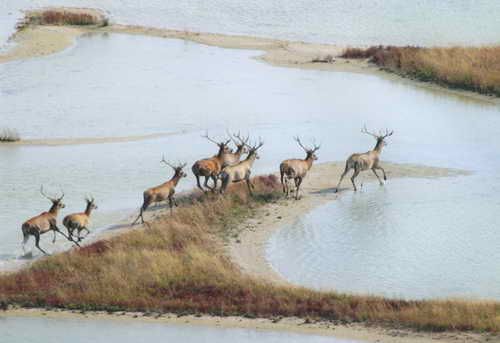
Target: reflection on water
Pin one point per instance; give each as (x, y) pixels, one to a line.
(47, 330)
(414, 238)
(334, 21)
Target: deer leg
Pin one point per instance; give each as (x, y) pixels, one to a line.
(214, 179)
(37, 242)
(206, 183)
(171, 204)
(298, 182)
(383, 171)
(26, 237)
(139, 216)
(375, 172)
(249, 185)
(354, 175)
(346, 170)
(282, 183)
(198, 183)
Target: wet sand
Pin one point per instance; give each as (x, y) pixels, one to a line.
(296, 325)
(248, 249)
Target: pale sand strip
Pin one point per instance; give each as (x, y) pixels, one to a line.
(297, 325)
(248, 250)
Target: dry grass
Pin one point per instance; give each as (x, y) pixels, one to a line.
(64, 16)
(9, 135)
(324, 59)
(178, 265)
(475, 69)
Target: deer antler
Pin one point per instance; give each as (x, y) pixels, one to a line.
(386, 134)
(258, 146)
(167, 163)
(297, 139)
(45, 195)
(316, 148)
(210, 139)
(365, 130)
(241, 139)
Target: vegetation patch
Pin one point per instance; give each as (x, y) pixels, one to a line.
(178, 264)
(9, 135)
(64, 16)
(470, 68)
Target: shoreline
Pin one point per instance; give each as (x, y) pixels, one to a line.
(248, 249)
(349, 331)
(42, 40)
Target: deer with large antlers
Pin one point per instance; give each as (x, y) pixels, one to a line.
(231, 158)
(43, 223)
(80, 221)
(296, 169)
(368, 160)
(163, 192)
(240, 171)
(212, 166)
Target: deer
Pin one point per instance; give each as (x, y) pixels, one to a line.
(80, 221)
(240, 171)
(296, 169)
(232, 158)
(369, 160)
(163, 192)
(212, 166)
(44, 222)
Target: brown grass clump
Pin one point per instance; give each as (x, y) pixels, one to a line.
(9, 135)
(179, 265)
(64, 16)
(474, 69)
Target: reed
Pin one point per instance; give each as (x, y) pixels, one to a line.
(9, 135)
(470, 68)
(64, 16)
(178, 265)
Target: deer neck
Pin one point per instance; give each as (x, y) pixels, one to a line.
(251, 159)
(54, 209)
(309, 161)
(175, 179)
(88, 210)
(379, 146)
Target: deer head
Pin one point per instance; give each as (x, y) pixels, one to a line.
(252, 149)
(91, 205)
(380, 137)
(240, 142)
(56, 202)
(178, 172)
(223, 145)
(310, 152)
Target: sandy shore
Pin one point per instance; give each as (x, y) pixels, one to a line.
(296, 325)
(93, 140)
(248, 249)
(37, 41)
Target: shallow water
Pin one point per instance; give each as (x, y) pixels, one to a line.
(165, 86)
(413, 238)
(333, 21)
(84, 330)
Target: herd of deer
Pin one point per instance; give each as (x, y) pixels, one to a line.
(225, 166)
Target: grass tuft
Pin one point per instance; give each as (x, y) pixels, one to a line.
(9, 135)
(178, 264)
(473, 68)
(64, 16)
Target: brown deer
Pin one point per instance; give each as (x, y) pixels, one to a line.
(43, 223)
(232, 158)
(212, 166)
(367, 160)
(296, 169)
(240, 171)
(80, 221)
(163, 192)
